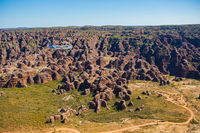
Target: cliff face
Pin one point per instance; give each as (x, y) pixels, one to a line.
(145, 53)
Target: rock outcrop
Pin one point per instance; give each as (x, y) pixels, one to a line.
(133, 55)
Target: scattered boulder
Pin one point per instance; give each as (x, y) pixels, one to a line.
(68, 112)
(20, 84)
(139, 98)
(30, 80)
(65, 120)
(86, 91)
(81, 109)
(139, 108)
(198, 97)
(50, 120)
(2, 93)
(66, 98)
(37, 79)
(146, 93)
(57, 117)
(121, 105)
(62, 110)
(98, 106)
(131, 110)
(12, 82)
(127, 98)
(92, 105)
(56, 76)
(159, 95)
(177, 79)
(130, 103)
(3, 82)
(104, 103)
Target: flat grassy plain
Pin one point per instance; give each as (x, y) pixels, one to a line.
(28, 108)
(154, 108)
(31, 106)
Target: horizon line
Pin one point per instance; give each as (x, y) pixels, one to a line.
(79, 26)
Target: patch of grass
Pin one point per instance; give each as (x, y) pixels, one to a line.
(194, 83)
(193, 121)
(154, 108)
(31, 106)
(28, 106)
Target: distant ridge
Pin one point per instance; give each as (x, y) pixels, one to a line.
(99, 27)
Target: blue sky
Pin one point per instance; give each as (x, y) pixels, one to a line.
(47, 13)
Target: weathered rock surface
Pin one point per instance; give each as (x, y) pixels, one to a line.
(63, 115)
(175, 53)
